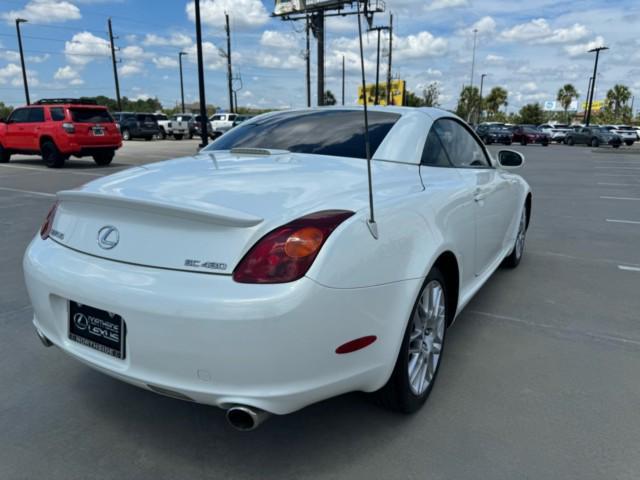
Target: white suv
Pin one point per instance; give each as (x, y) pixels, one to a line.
(628, 134)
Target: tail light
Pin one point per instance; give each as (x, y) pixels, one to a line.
(45, 230)
(69, 127)
(118, 126)
(286, 253)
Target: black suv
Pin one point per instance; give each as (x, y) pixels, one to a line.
(137, 125)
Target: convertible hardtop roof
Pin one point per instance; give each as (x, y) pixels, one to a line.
(433, 113)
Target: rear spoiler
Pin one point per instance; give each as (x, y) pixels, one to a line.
(205, 213)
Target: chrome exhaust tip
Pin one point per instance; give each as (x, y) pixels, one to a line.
(246, 418)
(45, 341)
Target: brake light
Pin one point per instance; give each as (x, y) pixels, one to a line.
(69, 127)
(286, 253)
(45, 230)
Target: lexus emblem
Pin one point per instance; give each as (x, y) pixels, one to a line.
(108, 237)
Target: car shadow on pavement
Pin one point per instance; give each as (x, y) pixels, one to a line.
(76, 164)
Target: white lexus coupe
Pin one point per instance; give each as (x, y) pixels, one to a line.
(250, 275)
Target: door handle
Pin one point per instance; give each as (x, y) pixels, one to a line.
(479, 195)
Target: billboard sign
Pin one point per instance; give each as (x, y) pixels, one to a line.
(555, 106)
(398, 88)
(286, 7)
(596, 106)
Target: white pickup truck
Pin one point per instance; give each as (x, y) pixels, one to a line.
(181, 125)
(221, 122)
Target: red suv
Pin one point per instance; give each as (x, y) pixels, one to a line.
(59, 128)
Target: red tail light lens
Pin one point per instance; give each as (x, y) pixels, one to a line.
(286, 253)
(45, 230)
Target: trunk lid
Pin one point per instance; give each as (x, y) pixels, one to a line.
(93, 126)
(203, 213)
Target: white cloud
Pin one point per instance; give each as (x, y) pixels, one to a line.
(141, 96)
(539, 31)
(583, 49)
(84, 47)
(165, 62)
(66, 73)
(131, 68)
(9, 72)
(45, 11)
(271, 38)
(440, 4)
(133, 52)
(529, 87)
(210, 54)
(424, 44)
(280, 61)
(173, 40)
(484, 26)
(242, 13)
(495, 59)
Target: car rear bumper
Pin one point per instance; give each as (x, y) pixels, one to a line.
(209, 339)
(83, 150)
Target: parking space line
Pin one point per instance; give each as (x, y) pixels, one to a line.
(27, 192)
(619, 184)
(567, 331)
(605, 197)
(628, 268)
(613, 220)
(41, 170)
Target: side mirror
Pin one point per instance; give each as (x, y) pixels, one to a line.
(510, 159)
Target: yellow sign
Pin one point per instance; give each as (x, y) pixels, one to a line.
(398, 88)
(596, 106)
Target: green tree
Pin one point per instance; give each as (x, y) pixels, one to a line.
(497, 98)
(617, 98)
(431, 95)
(531, 113)
(329, 98)
(565, 96)
(413, 100)
(468, 103)
(5, 110)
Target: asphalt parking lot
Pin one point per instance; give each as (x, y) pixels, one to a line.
(540, 378)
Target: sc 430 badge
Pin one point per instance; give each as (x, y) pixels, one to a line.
(200, 264)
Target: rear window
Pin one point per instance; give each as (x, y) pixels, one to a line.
(90, 115)
(57, 114)
(145, 118)
(161, 117)
(332, 132)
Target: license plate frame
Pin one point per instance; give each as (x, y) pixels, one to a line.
(97, 329)
(98, 131)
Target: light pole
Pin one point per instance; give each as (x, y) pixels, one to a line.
(473, 57)
(180, 55)
(593, 83)
(24, 69)
(481, 110)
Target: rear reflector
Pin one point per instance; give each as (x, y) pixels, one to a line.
(357, 344)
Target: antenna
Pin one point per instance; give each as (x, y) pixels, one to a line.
(371, 222)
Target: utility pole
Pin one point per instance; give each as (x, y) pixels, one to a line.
(376, 99)
(307, 57)
(343, 80)
(473, 58)
(318, 29)
(203, 101)
(180, 55)
(229, 77)
(237, 78)
(389, 97)
(115, 68)
(24, 69)
(481, 86)
(593, 83)
(584, 117)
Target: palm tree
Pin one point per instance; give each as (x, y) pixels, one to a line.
(565, 96)
(618, 96)
(468, 102)
(497, 98)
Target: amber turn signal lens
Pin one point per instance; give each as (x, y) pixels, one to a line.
(303, 242)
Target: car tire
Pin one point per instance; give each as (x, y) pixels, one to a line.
(595, 143)
(189, 136)
(104, 158)
(523, 142)
(545, 143)
(162, 135)
(571, 142)
(177, 136)
(617, 145)
(419, 350)
(487, 141)
(508, 142)
(628, 143)
(5, 156)
(513, 260)
(148, 138)
(51, 155)
(126, 135)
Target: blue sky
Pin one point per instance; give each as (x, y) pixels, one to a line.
(532, 48)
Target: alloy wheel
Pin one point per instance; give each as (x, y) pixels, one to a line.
(522, 231)
(426, 337)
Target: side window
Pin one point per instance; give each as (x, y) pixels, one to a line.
(216, 118)
(433, 153)
(57, 114)
(462, 148)
(19, 116)
(36, 115)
